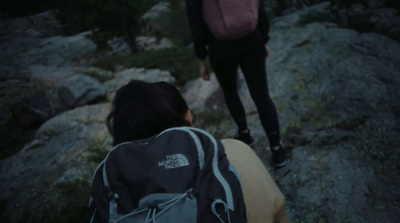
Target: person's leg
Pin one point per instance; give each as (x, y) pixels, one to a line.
(254, 71)
(225, 66)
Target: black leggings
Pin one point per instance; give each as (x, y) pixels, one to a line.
(248, 53)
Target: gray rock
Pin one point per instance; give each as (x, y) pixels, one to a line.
(384, 12)
(64, 146)
(151, 75)
(31, 111)
(296, 19)
(203, 95)
(59, 51)
(386, 24)
(82, 90)
(322, 175)
(159, 9)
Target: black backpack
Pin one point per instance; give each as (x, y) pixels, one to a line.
(181, 175)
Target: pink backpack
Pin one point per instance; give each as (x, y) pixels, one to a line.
(230, 19)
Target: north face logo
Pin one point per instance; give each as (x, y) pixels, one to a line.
(174, 161)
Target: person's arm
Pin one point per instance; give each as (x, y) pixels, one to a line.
(197, 26)
(263, 22)
(204, 72)
(263, 26)
(198, 29)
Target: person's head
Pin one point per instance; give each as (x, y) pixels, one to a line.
(142, 109)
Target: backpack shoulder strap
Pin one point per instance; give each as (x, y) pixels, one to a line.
(215, 167)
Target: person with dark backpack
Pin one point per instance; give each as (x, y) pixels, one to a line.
(234, 33)
(164, 170)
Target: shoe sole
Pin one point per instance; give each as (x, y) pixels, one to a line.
(280, 164)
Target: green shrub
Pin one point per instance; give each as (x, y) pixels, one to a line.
(74, 196)
(215, 122)
(14, 137)
(109, 63)
(209, 118)
(99, 74)
(178, 31)
(315, 17)
(179, 61)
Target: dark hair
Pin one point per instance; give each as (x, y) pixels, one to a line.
(142, 109)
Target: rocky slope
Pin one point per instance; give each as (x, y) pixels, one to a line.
(336, 91)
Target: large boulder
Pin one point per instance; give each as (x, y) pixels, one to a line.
(59, 50)
(335, 91)
(166, 19)
(65, 151)
(203, 95)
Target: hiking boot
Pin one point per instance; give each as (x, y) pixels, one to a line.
(245, 137)
(279, 156)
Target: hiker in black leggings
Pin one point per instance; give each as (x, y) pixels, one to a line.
(248, 53)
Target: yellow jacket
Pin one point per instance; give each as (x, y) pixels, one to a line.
(264, 201)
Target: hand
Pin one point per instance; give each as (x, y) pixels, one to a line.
(204, 73)
(267, 52)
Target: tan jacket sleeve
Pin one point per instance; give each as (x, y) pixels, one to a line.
(264, 201)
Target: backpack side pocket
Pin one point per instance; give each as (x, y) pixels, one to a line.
(164, 207)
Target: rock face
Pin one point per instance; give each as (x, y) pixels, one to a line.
(336, 92)
(371, 16)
